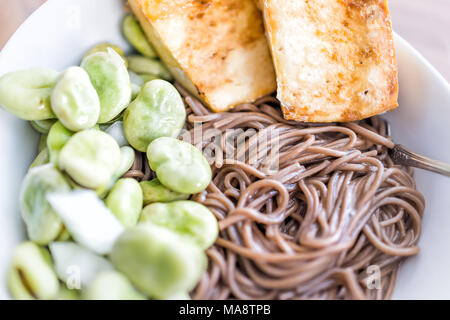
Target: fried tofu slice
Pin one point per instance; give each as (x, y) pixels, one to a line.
(259, 4)
(215, 48)
(334, 59)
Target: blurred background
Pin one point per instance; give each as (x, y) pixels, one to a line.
(424, 23)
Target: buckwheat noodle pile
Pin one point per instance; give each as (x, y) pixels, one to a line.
(333, 220)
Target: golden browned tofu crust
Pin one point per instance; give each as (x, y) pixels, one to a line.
(334, 59)
(259, 4)
(216, 48)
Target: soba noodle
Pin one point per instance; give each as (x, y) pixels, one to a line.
(334, 220)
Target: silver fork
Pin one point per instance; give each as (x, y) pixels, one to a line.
(402, 156)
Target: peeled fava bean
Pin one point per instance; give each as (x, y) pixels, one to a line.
(135, 35)
(42, 158)
(154, 191)
(189, 219)
(179, 165)
(75, 101)
(148, 77)
(149, 67)
(31, 276)
(127, 156)
(43, 126)
(180, 296)
(158, 111)
(42, 222)
(158, 261)
(90, 158)
(125, 201)
(56, 140)
(42, 142)
(111, 286)
(26, 94)
(103, 47)
(66, 294)
(109, 75)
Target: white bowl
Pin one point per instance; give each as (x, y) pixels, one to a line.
(58, 34)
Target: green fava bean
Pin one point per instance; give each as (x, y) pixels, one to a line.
(75, 101)
(119, 117)
(189, 219)
(138, 80)
(148, 66)
(127, 156)
(31, 276)
(148, 77)
(154, 191)
(179, 165)
(64, 235)
(42, 222)
(66, 294)
(56, 140)
(42, 142)
(43, 126)
(180, 296)
(90, 158)
(103, 47)
(135, 35)
(158, 261)
(109, 75)
(125, 201)
(42, 158)
(111, 286)
(26, 94)
(158, 111)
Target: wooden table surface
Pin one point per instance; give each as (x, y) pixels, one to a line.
(424, 23)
